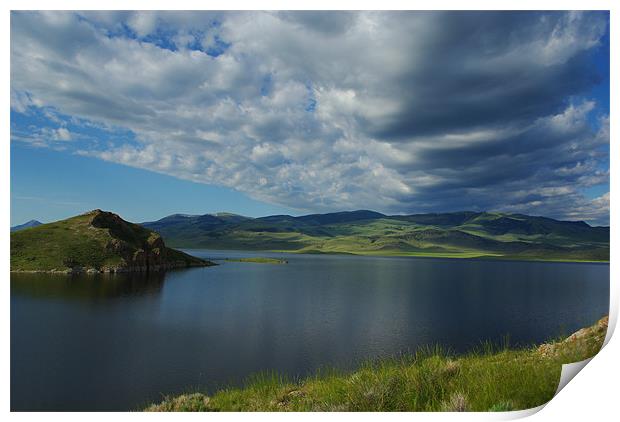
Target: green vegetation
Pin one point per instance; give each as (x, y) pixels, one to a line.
(450, 235)
(259, 260)
(97, 241)
(484, 380)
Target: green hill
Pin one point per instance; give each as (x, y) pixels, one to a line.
(460, 234)
(97, 241)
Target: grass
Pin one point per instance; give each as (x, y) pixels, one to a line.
(488, 379)
(487, 235)
(62, 244)
(259, 260)
(95, 240)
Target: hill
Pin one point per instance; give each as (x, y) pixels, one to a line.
(97, 241)
(460, 234)
(491, 379)
(26, 225)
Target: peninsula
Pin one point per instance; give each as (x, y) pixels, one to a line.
(97, 241)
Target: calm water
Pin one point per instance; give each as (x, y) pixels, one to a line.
(118, 342)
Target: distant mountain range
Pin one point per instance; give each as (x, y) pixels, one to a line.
(27, 225)
(457, 234)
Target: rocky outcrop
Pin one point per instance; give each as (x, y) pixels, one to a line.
(151, 255)
(140, 249)
(97, 241)
(589, 339)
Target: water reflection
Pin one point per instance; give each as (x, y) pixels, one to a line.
(86, 287)
(114, 342)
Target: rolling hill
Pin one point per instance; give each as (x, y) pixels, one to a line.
(96, 241)
(459, 234)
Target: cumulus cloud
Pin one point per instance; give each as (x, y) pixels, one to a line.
(43, 136)
(399, 112)
(62, 134)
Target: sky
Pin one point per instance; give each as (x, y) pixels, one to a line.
(152, 113)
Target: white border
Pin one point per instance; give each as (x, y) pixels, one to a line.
(592, 395)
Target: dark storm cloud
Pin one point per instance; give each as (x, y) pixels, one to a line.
(480, 71)
(396, 111)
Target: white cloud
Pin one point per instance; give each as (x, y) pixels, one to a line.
(143, 23)
(398, 112)
(62, 134)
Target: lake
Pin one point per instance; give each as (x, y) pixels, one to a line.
(118, 342)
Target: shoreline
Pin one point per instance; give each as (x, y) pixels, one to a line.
(461, 256)
(488, 379)
(284, 261)
(119, 270)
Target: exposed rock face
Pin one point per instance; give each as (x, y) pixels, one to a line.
(97, 241)
(140, 249)
(589, 338)
(150, 255)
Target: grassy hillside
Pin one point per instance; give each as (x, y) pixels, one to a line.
(487, 380)
(464, 234)
(95, 241)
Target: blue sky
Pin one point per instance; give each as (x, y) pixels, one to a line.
(153, 113)
(65, 184)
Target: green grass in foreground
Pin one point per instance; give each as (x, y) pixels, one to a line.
(485, 380)
(259, 260)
